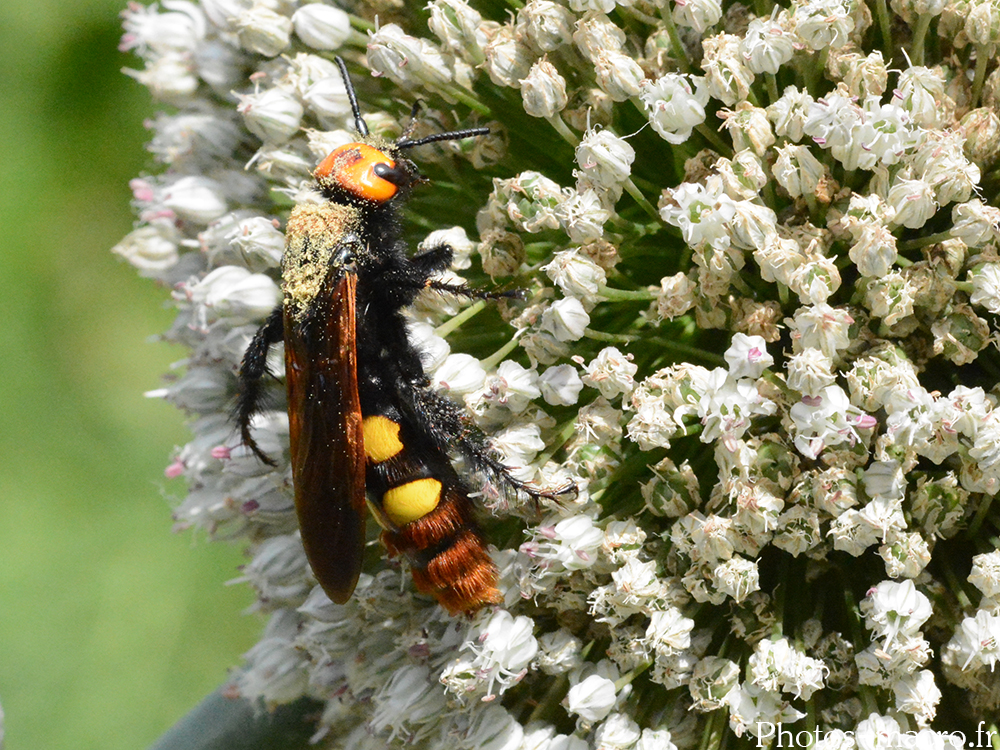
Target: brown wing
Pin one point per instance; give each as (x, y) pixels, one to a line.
(327, 445)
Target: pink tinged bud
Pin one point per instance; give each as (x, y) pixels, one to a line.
(747, 356)
(195, 199)
(913, 201)
(259, 238)
(273, 115)
(170, 79)
(697, 14)
(221, 452)
(460, 374)
(321, 26)
(175, 469)
(148, 30)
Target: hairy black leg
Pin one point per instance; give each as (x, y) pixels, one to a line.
(464, 291)
(433, 259)
(250, 395)
(446, 427)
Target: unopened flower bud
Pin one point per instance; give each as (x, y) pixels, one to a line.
(596, 33)
(263, 31)
(170, 79)
(618, 75)
(148, 249)
(560, 385)
(322, 26)
(697, 14)
(982, 136)
(459, 27)
(508, 59)
(502, 253)
(195, 199)
(545, 24)
(273, 115)
(565, 319)
(543, 90)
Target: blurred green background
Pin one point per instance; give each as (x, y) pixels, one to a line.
(111, 626)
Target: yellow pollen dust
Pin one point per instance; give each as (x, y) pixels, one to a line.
(381, 438)
(412, 500)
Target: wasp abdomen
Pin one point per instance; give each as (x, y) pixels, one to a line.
(426, 516)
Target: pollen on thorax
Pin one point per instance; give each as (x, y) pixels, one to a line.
(313, 233)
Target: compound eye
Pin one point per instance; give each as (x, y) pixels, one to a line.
(397, 174)
(357, 168)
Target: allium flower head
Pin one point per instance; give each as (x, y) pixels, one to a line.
(739, 279)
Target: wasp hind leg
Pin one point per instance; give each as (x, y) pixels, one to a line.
(450, 431)
(438, 258)
(251, 396)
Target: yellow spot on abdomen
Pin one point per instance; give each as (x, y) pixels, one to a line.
(381, 438)
(411, 501)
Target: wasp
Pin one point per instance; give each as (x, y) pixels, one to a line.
(365, 426)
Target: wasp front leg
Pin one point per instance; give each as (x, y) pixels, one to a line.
(253, 368)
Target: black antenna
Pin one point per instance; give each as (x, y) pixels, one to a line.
(455, 135)
(359, 123)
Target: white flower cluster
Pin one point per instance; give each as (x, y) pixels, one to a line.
(759, 335)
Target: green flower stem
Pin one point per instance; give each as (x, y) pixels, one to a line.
(357, 39)
(981, 513)
(548, 708)
(361, 24)
(500, 354)
(563, 130)
(450, 326)
(982, 60)
(919, 34)
(882, 14)
(918, 242)
(462, 95)
(611, 338)
(675, 40)
(712, 737)
(713, 137)
(611, 294)
(629, 676)
(956, 587)
(772, 87)
(686, 350)
(639, 198)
